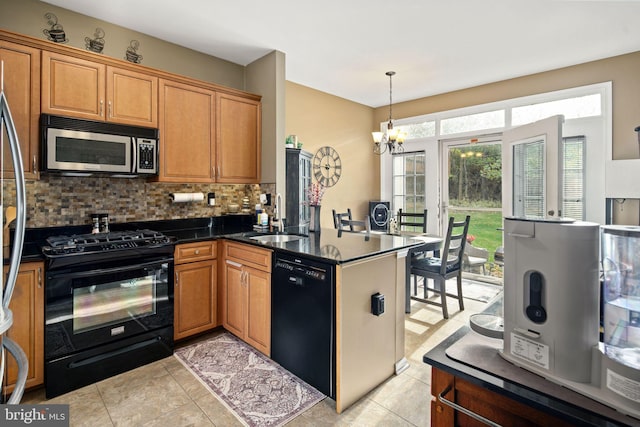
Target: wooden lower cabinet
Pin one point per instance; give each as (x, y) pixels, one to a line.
(246, 305)
(493, 406)
(195, 289)
(27, 306)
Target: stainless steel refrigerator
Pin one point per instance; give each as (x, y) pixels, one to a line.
(8, 348)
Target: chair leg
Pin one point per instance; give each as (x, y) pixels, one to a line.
(425, 292)
(459, 280)
(442, 286)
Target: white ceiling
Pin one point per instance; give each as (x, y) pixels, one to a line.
(344, 47)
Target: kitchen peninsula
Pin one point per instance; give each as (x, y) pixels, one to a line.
(369, 346)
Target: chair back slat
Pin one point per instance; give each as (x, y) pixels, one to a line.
(351, 224)
(454, 244)
(342, 219)
(412, 219)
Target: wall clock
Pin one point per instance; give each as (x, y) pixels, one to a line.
(327, 166)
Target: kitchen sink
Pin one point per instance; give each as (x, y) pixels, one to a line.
(277, 238)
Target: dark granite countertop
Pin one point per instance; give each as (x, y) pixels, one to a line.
(530, 389)
(327, 245)
(185, 230)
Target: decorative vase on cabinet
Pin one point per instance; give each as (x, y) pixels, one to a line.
(314, 219)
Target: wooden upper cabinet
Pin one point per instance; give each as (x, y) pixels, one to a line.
(89, 90)
(22, 89)
(187, 132)
(73, 86)
(238, 140)
(132, 98)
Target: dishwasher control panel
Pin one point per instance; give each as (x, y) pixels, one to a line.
(299, 268)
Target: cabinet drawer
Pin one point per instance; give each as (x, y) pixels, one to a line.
(249, 255)
(198, 251)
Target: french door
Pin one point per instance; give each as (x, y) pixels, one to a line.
(532, 170)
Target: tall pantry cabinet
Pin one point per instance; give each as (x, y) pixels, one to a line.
(298, 169)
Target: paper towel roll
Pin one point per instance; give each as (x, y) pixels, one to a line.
(186, 197)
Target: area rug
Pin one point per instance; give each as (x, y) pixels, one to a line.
(257, 390)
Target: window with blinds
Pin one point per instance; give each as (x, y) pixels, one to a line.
(528, 178)
(573, 163)
(409, 182)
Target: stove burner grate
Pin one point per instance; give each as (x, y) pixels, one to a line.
(102, 242)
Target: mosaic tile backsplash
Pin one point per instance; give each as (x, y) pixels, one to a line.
(61, 200)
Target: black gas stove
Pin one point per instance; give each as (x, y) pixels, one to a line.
(108, 306)
(74, 249)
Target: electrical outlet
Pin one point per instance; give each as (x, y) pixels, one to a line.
(263, 199)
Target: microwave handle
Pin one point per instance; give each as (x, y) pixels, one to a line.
(134, 157)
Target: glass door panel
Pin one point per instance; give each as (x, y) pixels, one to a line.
(531, 167)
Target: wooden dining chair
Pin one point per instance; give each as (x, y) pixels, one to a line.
(412, 219)
(353, 225)
(440, 269)
(342, 218)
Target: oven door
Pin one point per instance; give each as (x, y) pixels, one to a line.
(88, 308)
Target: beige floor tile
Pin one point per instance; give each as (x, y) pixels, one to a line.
(405, 396)
(216, 411)
(86, 407)
(366, 412)
(131, 397)
(187, 415)
(188, 381)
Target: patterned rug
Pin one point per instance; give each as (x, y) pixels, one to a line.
(256, 389)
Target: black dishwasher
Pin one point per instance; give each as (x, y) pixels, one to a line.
(303, 320)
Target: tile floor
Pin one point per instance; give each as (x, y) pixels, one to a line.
(164, 393)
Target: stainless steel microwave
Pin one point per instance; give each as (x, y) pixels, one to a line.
(83, 147)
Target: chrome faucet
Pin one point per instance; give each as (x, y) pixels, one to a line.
(278, 223)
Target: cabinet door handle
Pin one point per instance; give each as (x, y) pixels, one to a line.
(110, 110)
(233, 263)
(176, 281)
(197, 252)
(101, 107)
(464, 410)
(39, 277)
(34, 164)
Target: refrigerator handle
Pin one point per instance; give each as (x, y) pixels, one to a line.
(6, 318)
(21, 214)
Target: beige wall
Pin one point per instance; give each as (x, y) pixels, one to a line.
(27, 17)
(621, 70)
(266, 76)
(320, 119)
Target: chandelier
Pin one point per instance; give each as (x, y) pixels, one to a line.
(392, 139)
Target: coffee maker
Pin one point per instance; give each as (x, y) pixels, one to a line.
(552, 306)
